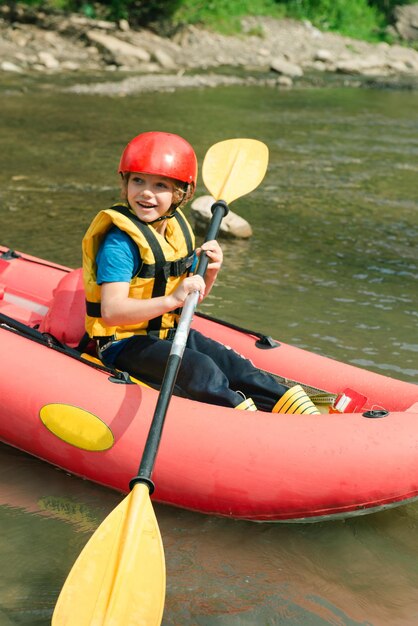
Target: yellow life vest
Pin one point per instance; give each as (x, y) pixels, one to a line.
(165, 262)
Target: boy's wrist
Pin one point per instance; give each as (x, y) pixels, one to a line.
(211, 275)
(172, 302)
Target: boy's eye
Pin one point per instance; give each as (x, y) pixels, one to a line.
(137, 179)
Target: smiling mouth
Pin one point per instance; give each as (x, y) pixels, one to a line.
(143, 205)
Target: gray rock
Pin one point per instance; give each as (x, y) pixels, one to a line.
(48, 60)
(323, 55)
(406, 21)
(120, 52)
(281, 66)
(164, 59)
(284, 81)
(369, 65)
(124, 25)
(8, 66)
(232, 224)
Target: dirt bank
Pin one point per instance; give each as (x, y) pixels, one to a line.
(274, 52)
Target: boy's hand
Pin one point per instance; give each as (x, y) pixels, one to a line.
(189, 284)
(214, 252)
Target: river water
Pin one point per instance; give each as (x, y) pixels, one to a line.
(332, 267)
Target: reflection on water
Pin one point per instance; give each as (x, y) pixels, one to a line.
(220, 571)
(332, 267)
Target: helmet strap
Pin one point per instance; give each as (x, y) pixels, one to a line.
(164, 217)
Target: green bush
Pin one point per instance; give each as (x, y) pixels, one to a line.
(355, 18)
(224, 15)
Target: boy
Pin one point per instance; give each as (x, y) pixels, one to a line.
(138, 259)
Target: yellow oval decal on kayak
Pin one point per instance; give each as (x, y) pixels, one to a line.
(77, 427)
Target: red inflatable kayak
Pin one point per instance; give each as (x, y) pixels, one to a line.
(59, 405)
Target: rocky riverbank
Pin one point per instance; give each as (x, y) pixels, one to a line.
(274, 52)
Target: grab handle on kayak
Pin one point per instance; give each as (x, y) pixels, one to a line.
(376, 413)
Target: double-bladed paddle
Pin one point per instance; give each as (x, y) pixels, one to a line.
(119, 577)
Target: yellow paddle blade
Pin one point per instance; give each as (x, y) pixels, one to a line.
(234, 167)
(119, 577)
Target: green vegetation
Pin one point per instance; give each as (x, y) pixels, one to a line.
(356, 18)
(225, 15)
(363, 19)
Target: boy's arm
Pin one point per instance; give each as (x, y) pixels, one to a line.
(118, 309)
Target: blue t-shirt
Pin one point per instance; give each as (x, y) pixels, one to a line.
(117, 260)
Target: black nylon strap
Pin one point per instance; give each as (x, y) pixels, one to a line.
(186, 233)
(93, 309)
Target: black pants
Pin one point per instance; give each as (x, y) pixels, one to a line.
(209, 371)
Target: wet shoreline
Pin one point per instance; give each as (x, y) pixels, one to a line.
(275, 53)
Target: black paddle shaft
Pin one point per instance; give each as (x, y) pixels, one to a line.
(219, 210)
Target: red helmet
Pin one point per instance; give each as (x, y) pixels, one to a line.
(160, 153)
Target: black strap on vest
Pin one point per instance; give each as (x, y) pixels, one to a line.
(93, 309)
(161, 270)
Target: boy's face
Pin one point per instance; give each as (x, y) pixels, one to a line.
(149, 195)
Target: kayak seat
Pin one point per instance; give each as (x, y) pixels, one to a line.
(64, 319)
